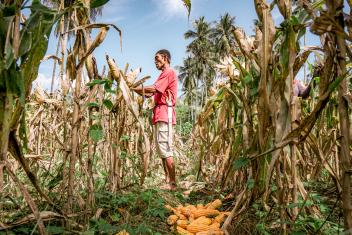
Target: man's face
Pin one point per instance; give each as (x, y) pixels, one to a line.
(160, 61)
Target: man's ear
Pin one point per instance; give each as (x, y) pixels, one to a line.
(165, 57)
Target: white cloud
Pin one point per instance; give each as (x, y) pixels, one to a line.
(43, 81)
(171, 8)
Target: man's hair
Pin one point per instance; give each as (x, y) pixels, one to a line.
(165, 53)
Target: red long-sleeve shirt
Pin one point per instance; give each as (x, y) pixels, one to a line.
(164, 85)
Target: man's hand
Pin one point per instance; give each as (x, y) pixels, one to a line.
(148, 95)
(148, 90)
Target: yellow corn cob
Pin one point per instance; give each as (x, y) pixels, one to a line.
(215, 225)
(191, 217)
(202, 220)
(220, 218)
(188, 210)
(171, 220)
(123, 232)
(195, 228)
(211, 232)
(182, 231)
(182, 223)
(215, 204)
(180, 215)
(205, 212)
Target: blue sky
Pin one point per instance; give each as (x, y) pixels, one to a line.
(150, 25)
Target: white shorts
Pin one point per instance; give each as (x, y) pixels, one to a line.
(161, 136)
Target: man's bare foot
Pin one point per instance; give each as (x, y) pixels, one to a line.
(173, 186)
(169, 186)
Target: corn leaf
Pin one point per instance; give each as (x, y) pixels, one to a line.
(98, 3)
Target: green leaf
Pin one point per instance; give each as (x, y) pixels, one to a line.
(107, 85)
(23, 133)
(273, 188)
(335, 83)
(55, 230)
(96, 132)
(92, 104)
(108, 104)
(55, 181)
(247, 79)
(293, 205)
(298, 233)
(96, 82)
(109, 90)
(9, 57)
(103, 226)
(240, 163)
(9, 10)
(250, 183)
(125, 138)
(115, 217)
(15, 83)
(253, 91)
(98, 3)
(96, 117)
(25, 44)
(188, 5)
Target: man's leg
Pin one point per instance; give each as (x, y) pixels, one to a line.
(157, 145)
(167, 176)
(164, 151)
(170, 165)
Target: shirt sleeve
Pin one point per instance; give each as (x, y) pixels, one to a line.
(162, 83)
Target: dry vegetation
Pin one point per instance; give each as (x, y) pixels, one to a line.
(80, 159)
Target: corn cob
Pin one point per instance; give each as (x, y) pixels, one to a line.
(171, 220)
(182, 231)
(182, 223)
(205, 212)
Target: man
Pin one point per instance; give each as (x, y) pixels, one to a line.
(164, 116)
(301, 90)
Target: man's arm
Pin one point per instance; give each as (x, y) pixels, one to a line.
(148, 90)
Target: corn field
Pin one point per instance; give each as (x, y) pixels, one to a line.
(276, 159)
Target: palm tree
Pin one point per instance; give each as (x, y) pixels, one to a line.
(66, 24)
(201, 49)
(223, 36)
(188, 80)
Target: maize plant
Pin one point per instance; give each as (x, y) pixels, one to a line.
(253, 129)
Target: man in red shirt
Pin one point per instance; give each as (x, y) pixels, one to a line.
(164, 116)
